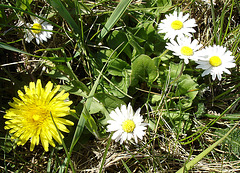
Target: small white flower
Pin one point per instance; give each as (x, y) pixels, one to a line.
(37, 31)
(177, 25)
(126, 125)
(215, 60)
(184, 48)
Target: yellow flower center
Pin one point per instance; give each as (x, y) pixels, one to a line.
(128, 126)
(38, 114)
(185, 50)
(36, 117)
(215, 61)
(36, 28)
(177, 24)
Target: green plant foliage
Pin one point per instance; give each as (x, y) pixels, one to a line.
(179, 121)
(109, 53)
(118, 67)
(116, 15)
(145, 40)
(117, 38)
(23, 4)
(231, 143)
(105, 104)
(53, 59)
(186, 87)
(143, 69)
(60, 8)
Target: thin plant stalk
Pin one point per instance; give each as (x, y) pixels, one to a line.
(105, 153)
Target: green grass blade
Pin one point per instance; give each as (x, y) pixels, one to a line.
(86, 118)
(7, 47)
(190, 164)
(54, 59)
(228, 24)
(2, 6)
(116, 15)
(214, 23)
(50, 160)
(64, 145)
(196, 135)
(57, 4)
(78, 132)
(105, 153)
(127, 168)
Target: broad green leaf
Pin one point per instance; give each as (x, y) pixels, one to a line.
(175, 70)
(144, 37)
(104, 103)
(188, 87)
(56, 74)
(105, 54)
(78, 89)
(143, 69)
(137, 49)
(186, 90)
(117, 67)
(122, 83)
(96, 107)
(155, 98)
(119, 38)
(116, 15)
(110, 103)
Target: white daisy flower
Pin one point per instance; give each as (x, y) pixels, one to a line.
(177, 25)
(37, 30)
(185, 48)
(126, 125)
(215, 60)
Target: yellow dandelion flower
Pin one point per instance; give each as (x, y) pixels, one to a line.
(31, 116)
